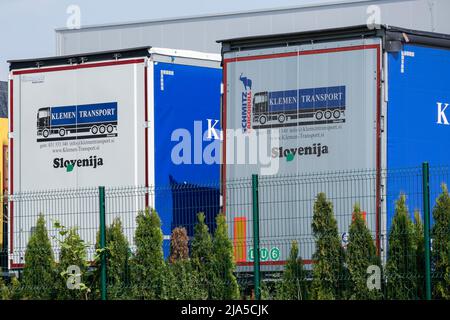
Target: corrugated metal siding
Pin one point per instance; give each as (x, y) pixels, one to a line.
(201, 33)
(3, 99)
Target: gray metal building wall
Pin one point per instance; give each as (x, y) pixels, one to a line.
(3, 99)
(200, 33)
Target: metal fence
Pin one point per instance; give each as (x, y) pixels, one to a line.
(284, 207)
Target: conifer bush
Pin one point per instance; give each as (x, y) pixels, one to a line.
(420, 255)
(148, 265)
(401, 265)
(361, 253)
(117, 261)
(327, 267)
(440, 254)
(39, 270)
(293, 285)
(183, 281)
(202, 255)
(10, 291)
(225, 287)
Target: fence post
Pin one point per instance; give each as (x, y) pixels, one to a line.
(102, 242)
(256, 265)
(426, 226)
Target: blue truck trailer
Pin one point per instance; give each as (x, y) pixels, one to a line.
(374, 98)
(134, 120)
(418, 128)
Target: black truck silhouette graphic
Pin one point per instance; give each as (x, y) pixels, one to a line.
(66, 122)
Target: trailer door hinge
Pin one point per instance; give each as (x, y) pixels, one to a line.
(221, 88)
(10, 135)
(147, 124)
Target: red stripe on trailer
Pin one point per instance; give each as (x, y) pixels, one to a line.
(378, 152)
(270, 263)
(11, 203)
(376, 47)
(11, 162)
(79, 66)
(224, 137)
(302, 53)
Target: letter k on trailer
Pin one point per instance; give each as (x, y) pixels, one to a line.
(442, 117)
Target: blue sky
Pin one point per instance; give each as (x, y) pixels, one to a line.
(27, 26)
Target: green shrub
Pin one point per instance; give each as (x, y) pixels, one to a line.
(420, 255)
(361, 253)
(293, 285)
(72, 266)
(148, 267)
(202, 255)
(117, 262)
(39, 270)
(441, 246)
(11, 291)
(183, 280)
(225, 286)
(327, 267)
(401, 268)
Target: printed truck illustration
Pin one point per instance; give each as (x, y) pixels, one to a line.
(325, 105)
(68, 122)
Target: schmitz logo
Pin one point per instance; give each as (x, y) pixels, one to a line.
(246, 103)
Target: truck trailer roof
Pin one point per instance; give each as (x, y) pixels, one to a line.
(111, 55)
(393, 37)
